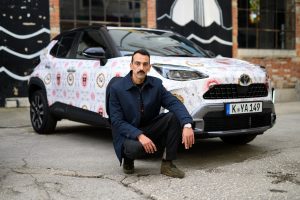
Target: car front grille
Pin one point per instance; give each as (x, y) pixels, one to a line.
(236, 122)
(234, 91)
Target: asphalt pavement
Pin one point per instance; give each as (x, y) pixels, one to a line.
(78, 162)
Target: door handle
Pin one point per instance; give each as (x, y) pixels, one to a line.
(71, 70)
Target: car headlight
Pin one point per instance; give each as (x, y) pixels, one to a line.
(178, 73)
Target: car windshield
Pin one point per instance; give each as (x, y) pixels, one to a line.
(160, 43)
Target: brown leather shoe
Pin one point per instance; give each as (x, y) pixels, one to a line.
(169, 169)
(128, 166)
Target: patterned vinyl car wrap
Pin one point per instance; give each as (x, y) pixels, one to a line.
(86, 88)
(227, 98)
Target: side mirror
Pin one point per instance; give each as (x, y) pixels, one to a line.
(210, 53)
(94, 52)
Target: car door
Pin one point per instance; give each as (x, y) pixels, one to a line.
(59, 64)
(91, 73)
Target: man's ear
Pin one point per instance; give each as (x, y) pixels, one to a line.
(131, 65)
(150, 66)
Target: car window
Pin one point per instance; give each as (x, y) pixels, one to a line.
(91, 38)
(159, 43)
(63, 47)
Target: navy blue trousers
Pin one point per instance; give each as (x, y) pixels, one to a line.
(164, 131)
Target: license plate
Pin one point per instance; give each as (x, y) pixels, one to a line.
(241, 108)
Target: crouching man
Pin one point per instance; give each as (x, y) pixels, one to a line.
(137, 127)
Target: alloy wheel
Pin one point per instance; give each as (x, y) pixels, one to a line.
(37, 111)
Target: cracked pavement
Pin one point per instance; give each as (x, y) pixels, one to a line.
(78, 162)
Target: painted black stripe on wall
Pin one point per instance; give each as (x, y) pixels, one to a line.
(193, 28)
(24, 17)
(223, 30)
(217, 47)
(204, 33)
(11, 88)
(21, 18)
(18, 66)
(25, 46)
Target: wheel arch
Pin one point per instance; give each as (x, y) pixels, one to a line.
(35, 84)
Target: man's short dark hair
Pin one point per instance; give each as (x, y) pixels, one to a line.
(141, 51)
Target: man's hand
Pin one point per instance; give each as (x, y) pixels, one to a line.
(147, 143)
(188, 138)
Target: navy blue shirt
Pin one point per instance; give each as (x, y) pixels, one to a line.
(125, 108)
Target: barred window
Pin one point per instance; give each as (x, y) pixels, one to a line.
(266, 24)
(78, 13)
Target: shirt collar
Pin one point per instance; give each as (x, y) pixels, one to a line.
(129, 84)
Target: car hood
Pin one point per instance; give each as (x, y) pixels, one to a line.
(221, 69)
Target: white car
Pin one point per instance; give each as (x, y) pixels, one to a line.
(227, 98)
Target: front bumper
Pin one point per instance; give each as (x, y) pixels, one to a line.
(210, 120)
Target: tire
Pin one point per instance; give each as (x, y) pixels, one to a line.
(41, 119)
(238, 139)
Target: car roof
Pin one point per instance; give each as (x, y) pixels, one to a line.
(108, 27)
(136, 28)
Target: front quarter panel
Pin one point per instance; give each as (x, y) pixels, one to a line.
(219, 71)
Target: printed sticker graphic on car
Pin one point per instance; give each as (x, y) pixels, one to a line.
(227, 98)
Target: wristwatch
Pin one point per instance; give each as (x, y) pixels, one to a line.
(187, 125)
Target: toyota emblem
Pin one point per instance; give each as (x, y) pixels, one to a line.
(245, 80)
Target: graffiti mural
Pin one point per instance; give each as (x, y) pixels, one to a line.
(24, 32)
(208, 23)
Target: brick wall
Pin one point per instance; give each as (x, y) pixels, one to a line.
(234, 28)
(151, 13)
(297, 2)
(54, 17)
(284, 72)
